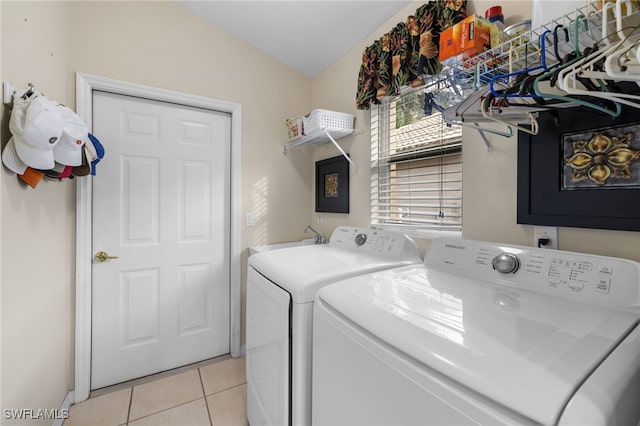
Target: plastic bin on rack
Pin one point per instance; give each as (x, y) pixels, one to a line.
(321, 126)
(319, 120)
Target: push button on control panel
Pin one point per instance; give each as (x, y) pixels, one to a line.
(606, 270)
(604, 284)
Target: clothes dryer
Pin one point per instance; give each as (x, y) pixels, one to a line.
(281, 287)
(482, 333)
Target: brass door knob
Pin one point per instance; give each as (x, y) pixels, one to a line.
(103, 256)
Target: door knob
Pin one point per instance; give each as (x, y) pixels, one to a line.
(103, 256)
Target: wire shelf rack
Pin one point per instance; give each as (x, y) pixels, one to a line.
(540, 47)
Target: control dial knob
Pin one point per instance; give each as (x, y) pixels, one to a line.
(361, 239)
(506, 263)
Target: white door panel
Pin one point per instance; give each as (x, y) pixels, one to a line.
(161, 203)
(268, 351)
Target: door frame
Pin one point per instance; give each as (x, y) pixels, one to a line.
(86, 84)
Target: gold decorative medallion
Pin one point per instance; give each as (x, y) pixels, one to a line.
(331, 185)
(604, 160)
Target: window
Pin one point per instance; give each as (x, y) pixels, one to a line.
(416, 176)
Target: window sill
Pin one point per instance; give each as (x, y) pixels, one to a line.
(426, 234)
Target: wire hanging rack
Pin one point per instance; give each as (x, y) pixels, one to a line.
(583, 28)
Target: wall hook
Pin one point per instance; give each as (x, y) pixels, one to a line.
(7, 93)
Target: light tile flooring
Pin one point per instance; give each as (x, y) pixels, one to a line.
(209, 393)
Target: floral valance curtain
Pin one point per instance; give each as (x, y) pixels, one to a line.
(407, 53)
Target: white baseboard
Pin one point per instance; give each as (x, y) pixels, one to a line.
(64, 408)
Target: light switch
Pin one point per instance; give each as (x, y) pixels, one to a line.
(249, 219)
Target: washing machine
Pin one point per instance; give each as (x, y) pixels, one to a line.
(482, 333)
(281, 287)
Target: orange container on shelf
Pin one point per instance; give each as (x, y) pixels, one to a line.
(468, 37)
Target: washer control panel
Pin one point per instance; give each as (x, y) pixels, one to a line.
(375, 241)
(609, 280)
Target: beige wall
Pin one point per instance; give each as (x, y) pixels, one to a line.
(152, 43)
(37, 226)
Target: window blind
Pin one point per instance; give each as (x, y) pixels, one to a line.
(416, 175)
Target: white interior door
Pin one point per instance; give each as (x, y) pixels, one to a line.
(161, 203)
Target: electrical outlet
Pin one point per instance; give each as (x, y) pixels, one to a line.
(546, 232)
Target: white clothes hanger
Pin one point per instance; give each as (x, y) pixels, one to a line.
(614, 67)
(625, 63)
(507, 132)
(455, 115)
(584, 68)
(568, 78)
(569, 73)
(509, 119)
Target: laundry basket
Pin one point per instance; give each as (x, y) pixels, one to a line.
(322, 119)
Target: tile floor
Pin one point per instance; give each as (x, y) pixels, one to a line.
(210, 393)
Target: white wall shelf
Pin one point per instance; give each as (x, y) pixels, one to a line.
(322, 136)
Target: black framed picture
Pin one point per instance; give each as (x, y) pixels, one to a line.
(581, 170)
(332, 185)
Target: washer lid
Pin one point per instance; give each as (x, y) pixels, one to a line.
(302, 271)
(523, 350)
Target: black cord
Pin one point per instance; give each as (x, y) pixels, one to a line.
(543, 242)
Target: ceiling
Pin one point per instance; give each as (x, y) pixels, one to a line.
(307, 35)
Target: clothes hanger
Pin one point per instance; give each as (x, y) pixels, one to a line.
(625, 63)
(609, 47)
(526, 86)
(525, 78)
(613, 63)
(483, 130)
(571, 68)
(589, 68)
(509, 119)
(507, 132)
(565, 101)
(506, 78)
(558, 76)
(601, 68)
(609, 56)
(556, 40)
(455, 115)
(458, 115)
(616, 97)
(530, 86)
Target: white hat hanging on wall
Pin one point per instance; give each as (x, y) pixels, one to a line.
(11, 160)
(36, 127)
(48, 139)
(68, 150)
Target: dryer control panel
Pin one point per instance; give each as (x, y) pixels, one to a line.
(391, 245)
(600, 279)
